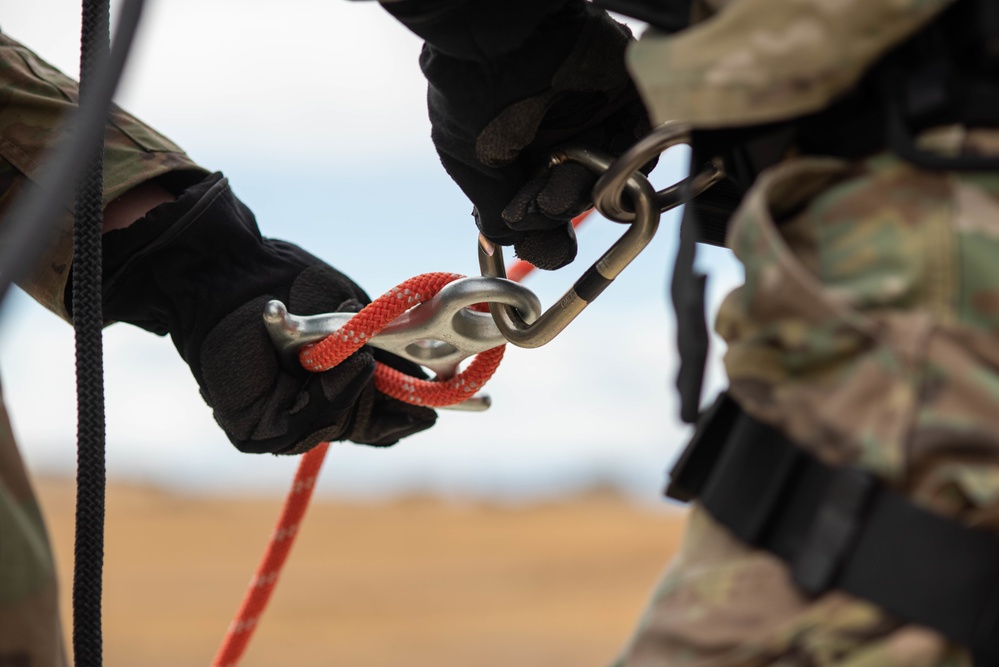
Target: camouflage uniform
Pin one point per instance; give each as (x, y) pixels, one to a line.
(34, 97)
(865, 329)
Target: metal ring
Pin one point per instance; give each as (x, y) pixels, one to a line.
(685, 190)
(607, 193)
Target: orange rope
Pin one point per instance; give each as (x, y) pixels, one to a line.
(266, 575)
(320, 357)
(386, 380)
(376, 316)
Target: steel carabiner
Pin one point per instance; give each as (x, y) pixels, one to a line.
(553, 321)
(617, 176)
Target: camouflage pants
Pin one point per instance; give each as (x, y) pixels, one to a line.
(30, 633)
(33, 100)
(867, 331)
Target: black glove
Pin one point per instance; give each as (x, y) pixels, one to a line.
(498, 111)
(198, 269)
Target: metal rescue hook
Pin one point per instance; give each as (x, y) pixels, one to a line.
(438, 334)
(617, 177)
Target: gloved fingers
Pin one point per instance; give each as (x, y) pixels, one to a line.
(291, 419)
(381, 421)
(551, 198)
(340, 404)
(322, 289)
(520, 213)
(295, 416)
(490, 190)
(492, 226)
(323, 410)
(263, 406)
(238, 361)
(343, 384)
(569, 191)
(548, 249)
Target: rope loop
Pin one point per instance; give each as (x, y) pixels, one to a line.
(374, 317)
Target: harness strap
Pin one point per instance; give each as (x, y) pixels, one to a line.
(842, 528)
(687, 287)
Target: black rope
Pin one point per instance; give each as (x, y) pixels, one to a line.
(32, 221)
(88, 321)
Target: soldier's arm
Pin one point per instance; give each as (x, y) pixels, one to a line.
(510, 81)
(183, 256)
(34, 103)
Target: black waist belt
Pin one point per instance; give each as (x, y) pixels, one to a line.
(840, 528)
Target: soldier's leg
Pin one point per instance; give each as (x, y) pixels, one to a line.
(866, 333)
(30, 633)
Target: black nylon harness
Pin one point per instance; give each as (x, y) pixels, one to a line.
(840, 528)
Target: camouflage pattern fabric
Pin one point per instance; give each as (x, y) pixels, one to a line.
(866, 331)
(34, 100)
(30, 632)
(760, 61)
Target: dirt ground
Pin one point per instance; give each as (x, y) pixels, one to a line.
(418, 582)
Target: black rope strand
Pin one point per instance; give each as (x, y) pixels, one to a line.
(88, 322)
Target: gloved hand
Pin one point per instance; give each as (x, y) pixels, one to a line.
(198, 269)
(498, 113)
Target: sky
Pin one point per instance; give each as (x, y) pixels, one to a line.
(315, 110)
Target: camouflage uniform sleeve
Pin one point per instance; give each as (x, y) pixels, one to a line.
(760, 61)
(34, 99)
